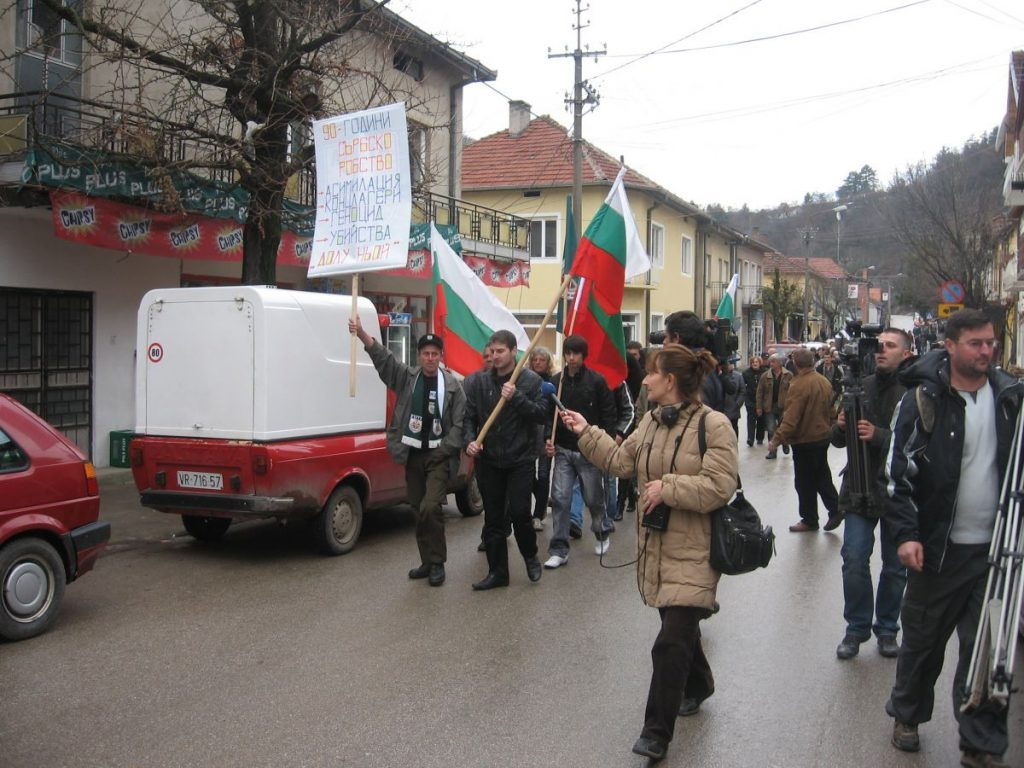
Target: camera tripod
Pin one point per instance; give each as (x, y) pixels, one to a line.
(990, 675)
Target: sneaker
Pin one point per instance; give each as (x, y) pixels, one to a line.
(556, 561)
(849, 648)
(575, 532)
(538, 524)
(602, 547)
(888, 647)
(905, 738)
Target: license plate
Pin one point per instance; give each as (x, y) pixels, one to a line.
(207, 481)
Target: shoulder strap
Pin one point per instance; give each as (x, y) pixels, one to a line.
(702, 435)
(925, 409)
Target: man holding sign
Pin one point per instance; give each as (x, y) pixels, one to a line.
(425, 434)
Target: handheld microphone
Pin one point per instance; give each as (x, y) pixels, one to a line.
(547, 388)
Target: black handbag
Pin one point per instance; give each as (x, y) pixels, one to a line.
(739, 543)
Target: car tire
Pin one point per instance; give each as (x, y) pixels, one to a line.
(205, 528)
(32, 583)
(468, 500)
(336, 528)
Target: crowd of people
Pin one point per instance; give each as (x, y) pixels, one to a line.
(934, 431)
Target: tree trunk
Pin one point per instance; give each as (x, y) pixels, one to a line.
(262, 230)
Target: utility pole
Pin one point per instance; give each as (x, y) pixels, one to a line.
(583, 95)
(807, 233)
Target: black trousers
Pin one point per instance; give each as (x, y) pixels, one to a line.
(542, 487)
(426, 481)
(506, 492)
(933, 606)
(755, 424)
(681, 670)
(812, 478)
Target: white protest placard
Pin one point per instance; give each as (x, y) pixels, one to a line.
(363, 204)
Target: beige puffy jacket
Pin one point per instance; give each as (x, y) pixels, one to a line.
(673, 566)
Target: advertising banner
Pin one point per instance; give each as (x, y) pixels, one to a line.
(104, 223)
(364, 207)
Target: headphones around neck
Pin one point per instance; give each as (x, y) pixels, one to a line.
(668, 415)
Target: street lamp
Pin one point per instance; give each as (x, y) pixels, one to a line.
(839, 227)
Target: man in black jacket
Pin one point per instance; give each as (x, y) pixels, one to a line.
(585, 391)
(950, 446)
(686, 328)
(882, 393)
(504, 461)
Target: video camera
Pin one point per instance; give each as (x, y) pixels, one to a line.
(717, 337)
(859, 349)
(858, 352)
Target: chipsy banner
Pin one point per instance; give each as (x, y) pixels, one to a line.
(364, 207)
(107, 224)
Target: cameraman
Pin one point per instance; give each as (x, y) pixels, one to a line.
(882, 393)
(686, 328)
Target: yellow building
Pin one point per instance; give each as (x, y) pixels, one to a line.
(526, 171)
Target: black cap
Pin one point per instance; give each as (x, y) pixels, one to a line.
(430, 338)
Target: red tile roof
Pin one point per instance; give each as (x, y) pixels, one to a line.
(827, 268)
(541, 156)
(793, 265)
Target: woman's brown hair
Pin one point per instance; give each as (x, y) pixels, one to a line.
(688, 366)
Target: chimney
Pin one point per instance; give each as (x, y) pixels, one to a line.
(755, 233)
(518, 117)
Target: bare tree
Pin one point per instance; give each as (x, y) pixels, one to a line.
(243, 78)
(782, 298)
(942, 213)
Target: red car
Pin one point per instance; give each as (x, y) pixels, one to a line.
(49, 531)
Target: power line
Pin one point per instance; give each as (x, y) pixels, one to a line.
(975, 12)
(1000, 10)
(791, 33)
(643, 56)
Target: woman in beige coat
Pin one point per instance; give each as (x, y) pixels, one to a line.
(673, 569)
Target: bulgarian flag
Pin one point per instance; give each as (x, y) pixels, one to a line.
(609, 253)
(466, 313)
(727, 306)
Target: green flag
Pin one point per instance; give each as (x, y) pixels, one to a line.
(568, 253)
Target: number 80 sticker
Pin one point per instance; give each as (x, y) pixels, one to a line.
(155, 353)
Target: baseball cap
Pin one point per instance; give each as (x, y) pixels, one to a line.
(430, 339)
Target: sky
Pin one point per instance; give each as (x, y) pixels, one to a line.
(755, 123)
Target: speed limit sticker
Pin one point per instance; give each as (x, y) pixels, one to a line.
(155, 353)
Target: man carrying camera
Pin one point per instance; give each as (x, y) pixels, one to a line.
(688, 329)
(951, 440)
(882, 393)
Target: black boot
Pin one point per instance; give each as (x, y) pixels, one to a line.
(436, 578)
(421, 571)
(497, 564)
(533, 568)
(490, 581)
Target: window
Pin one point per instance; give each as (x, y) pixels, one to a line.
(657, 253)
(409, 64)
(723, 272)
(630, 327)
(657, 322)
(707, 270)
(46, 34)
(687, 256)
(12, 458)
(544, 238)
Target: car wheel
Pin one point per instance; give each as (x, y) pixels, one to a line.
(336, 529)
(468, 500)
(205, 528)
(32, 582)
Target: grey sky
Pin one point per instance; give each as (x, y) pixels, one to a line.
(709, 124)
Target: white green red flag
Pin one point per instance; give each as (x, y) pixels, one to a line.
(727, 306)
(610, 252)
(466, 313)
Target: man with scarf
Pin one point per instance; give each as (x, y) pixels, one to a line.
(425, 434)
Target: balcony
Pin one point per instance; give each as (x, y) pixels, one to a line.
(750, 295)
(1013, 183)
(484, 231)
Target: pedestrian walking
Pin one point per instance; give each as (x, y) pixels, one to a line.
(543, 365)
(772, 390)
(737, 393)
(586, 391)
(505, 460)
(882, 393)
(673, 568)
(806, 424)
(425, 435)
(755, 421)
(950, 446)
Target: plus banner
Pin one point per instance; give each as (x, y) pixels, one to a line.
(104, 223)
(363, 203)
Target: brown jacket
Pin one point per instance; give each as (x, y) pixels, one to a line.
(674, 567)
(808, 414)
(764, 390)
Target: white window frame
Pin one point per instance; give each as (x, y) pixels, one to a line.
(543, 218)
(656, 322)
(33, 42)
(631, 320)
(686, 256)
(657, 253)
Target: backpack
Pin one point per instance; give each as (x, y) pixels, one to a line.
(739, 543)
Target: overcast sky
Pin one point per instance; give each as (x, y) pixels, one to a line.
(757, 123)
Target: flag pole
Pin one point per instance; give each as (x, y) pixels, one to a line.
(566, 333)
(524, 359)
(353, 349)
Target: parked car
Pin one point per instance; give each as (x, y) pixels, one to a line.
(50, 534)
(244, 411)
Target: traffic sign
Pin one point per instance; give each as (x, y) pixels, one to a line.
(947, 309)
(952, 292)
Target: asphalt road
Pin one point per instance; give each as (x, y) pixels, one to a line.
(255, 651)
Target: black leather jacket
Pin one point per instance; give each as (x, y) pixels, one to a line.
(512, 438)
(750, 379)
(922, 472)
(588, 394)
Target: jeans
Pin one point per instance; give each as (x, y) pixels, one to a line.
(771, 422)
(571, 466)
(860, 602)
(935, 604)
(611, 501)
(541, 487)
(812, 477)
(506, 495)
(755, 424)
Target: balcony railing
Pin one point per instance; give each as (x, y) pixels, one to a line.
(750, 295)
(475, 223)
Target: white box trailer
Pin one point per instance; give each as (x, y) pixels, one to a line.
(252, 363)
